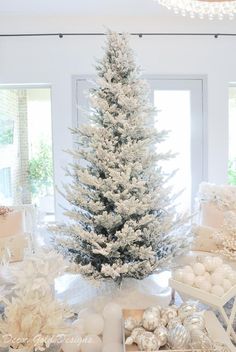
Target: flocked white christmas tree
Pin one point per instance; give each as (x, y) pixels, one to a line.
(123, 223)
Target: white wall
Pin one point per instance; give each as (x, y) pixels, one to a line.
(54, 61)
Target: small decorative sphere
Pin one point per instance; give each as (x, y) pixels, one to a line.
(227, 285)
(205, 286)
(179, 275)
(199, 280)
(188, 268)
(168, 313)
(93, 324)
(111, 311)
(195, 321)
(131, 323)
(155, 310)
(179, 337)
(148, 342)
(217, 261)
(217, 290)
(91, 343)
(173, 322)
(209, 264)
(207, 276)
(217, 278)
(150, 320)
(231, 275)
(113, 347)
(200, 341)
(185, 310)
(199, 269)
(189, 278)
(226, 268)
(136, 333)
(78, 327)
(83, 313)
(161, 334)
(70, 347)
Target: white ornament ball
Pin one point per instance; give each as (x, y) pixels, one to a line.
(83, 313)
(218, 262)
(217, 278)
(189, 278)
(179, 275)
(217, 290)
(226, 268)
(91, 343)
(227, 285)
(207, 276)
(93, 324)
(205, 286)
(199, 280)
(198, 269)
(70, 347)
(113, 347)
(78, 327)
(112, 311)
(231, 275)
(188, 268)
(208, 263)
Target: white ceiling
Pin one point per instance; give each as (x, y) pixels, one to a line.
(82, 7)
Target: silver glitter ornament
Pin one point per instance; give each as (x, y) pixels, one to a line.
(133, 338)
(186, 310)
(200, 340)
(131, 323)
(195, 321)
(168, 313)
(173, 322)
(148, 342)
(179, 338)
(150, 320)
(161, 334)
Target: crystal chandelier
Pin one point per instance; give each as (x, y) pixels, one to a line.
(202, 8)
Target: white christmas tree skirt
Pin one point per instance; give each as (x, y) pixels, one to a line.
(79, 293)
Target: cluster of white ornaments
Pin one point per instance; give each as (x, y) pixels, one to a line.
(88, 331)
(209, 274)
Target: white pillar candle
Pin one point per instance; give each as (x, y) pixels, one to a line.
(112, 332)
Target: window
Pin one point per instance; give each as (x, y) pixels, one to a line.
(5, 184)
(26, 148)
(181, 111)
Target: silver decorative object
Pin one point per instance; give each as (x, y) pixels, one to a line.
(131, 323)
(195, 321)
(161, 334)
(179, 337)
(168, 313)
(200, 340)
(151, 319)
(186, 310)
(173, 322)
(134, 337)
(148, 342)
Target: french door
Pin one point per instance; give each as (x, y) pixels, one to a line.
(180, 110)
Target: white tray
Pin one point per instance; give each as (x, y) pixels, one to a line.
(204, 296)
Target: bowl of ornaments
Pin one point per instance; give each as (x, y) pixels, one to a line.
(208, 279)
(171, 329)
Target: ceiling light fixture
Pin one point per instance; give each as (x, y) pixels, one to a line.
(212, 9)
